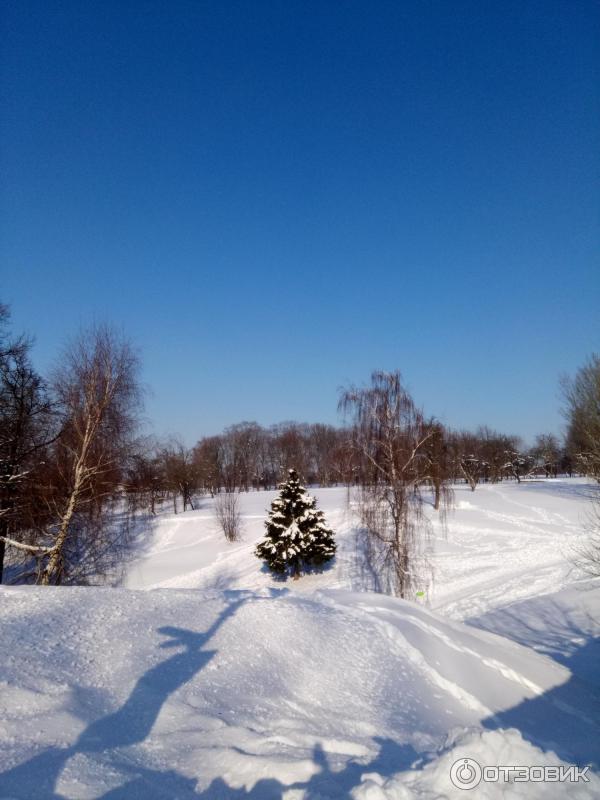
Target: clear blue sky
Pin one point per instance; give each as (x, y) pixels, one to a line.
(274, 198)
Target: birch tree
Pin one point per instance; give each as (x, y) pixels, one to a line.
(98, 393)
(391, 437)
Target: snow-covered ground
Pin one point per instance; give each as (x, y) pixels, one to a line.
(203, 677)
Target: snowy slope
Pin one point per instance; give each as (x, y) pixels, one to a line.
(224, 683)
(120, 694)
(502, 543)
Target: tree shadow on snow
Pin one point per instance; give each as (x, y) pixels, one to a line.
(392, 757)
(566, 718)
(129, 725)
(37, 778)
(326, 782)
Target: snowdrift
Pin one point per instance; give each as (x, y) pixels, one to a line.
(121, 694)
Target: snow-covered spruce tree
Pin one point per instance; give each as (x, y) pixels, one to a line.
(297, 535)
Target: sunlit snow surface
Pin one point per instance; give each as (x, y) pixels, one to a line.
(205, 677)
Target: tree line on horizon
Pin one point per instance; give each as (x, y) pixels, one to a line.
(250, 457)
(74, 468)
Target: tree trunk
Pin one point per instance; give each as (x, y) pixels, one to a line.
(2, 551)
(5, 507)
(437, 495)
(53, 569)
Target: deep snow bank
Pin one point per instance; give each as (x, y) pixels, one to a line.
(110, 693)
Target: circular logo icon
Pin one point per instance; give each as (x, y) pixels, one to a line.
(465, 773)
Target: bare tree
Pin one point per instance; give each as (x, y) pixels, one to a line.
(181, 473)
(145, 480)
(581, 396)
(546, 454)
(228, 515)
(587, 556)
(485, 456)
(323, 441)
(466, 458)
(436, 453)
(239, 456)
(391, 436)
(207, 464)
(27, 427)
(247, 456)
(98, 394)
(290, 449)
